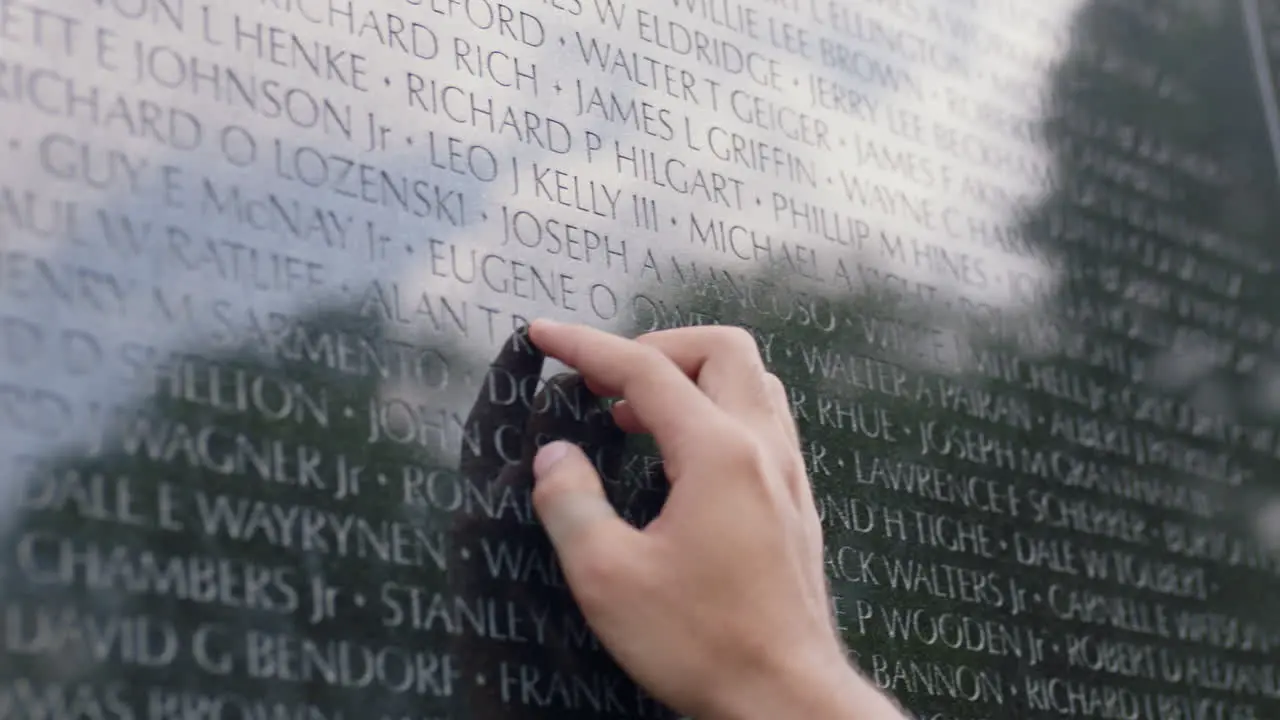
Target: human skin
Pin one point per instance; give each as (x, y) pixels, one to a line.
(718, 607)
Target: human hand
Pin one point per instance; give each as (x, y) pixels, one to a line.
(719, 606)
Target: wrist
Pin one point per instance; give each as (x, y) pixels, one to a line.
(820, 688)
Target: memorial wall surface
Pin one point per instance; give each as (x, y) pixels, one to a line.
(261, 420)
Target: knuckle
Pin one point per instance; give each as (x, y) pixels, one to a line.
(649, 353)
(547, 490)
(644, 355)
(543, 496)
(763, 393)
(735, 339)
(775, 385)
(737, 445)
(640, 360)
(747, 455)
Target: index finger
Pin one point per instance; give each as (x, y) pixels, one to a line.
(662, 396)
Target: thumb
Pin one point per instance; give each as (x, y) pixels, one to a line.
(570, 500)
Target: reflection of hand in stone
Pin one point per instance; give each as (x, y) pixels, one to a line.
(532, 655)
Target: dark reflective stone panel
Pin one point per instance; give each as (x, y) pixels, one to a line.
(265, 412)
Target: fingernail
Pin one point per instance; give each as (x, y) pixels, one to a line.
(548, 456)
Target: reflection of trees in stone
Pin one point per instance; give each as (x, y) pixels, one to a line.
(1199, 253)
(163, 468)
(487, 587)
(1182, 158)
(1204, 103)
(1195, 137)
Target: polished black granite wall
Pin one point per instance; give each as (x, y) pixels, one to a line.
(259, 259)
